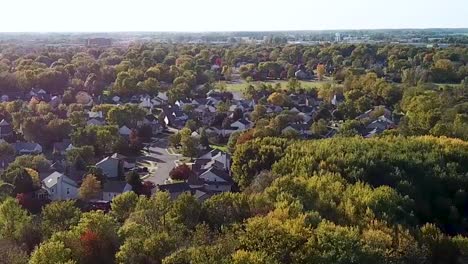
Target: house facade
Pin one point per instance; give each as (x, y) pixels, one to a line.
(60, 187)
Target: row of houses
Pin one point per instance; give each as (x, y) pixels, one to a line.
(211, 175)
(58, 186)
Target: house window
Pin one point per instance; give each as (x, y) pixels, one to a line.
(68, 190)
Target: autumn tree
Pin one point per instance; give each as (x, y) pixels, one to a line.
(90, 188)
(181, 172)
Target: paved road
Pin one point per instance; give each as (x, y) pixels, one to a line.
(158, 161)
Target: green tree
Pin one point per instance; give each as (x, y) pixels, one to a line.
(59, 216)
(51, 252)
(14, 221)
(123, 205)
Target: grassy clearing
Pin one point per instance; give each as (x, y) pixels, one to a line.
(240, 86)
(219, 147)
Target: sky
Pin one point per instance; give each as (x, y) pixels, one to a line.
(235, 15)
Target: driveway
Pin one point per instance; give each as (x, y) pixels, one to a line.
(158, 161)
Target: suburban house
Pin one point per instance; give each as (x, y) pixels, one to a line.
(215, 157)
(337, 99)
(242, 124)
(61, 148)
(95, 122)
(98, 114)
(300, 129)
(60, 187)
(111, 189)
(375, 112)
(201, 195)
(5, 129)
(146, 103)
(160, 100)
(111, 166)
(153, 122)
(174, 117)
(216, 180)
(25, 148)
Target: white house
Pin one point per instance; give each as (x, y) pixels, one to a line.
(216, 180)
(60, 187)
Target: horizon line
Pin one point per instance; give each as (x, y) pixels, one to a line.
(233, 31)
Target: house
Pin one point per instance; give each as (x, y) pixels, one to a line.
(374, 132)
(5, 129)
(174, 116)
(200, 101)
(111, 189)
(97, 115)
(160, 100)
(305, 117)
(378, 126)
(337, 99)
(60, 187)
(205, 116)
(153, 122)
(274, 109)
(174, 189)
(216, 180)
(146, 103)
(300, 129)
(111, 166)
(375, 112)
(201, 196)
(216, 158)
(242, 124)
(95, 122)
(182, 102)
(55, 101)
(24, 148)
(61, 148)
(125, 131)
(13, 95)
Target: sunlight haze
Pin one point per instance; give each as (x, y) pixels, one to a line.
(241, 15)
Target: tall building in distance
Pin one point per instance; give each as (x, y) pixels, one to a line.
(337, 37)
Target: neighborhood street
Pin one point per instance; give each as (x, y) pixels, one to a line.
(158, 161)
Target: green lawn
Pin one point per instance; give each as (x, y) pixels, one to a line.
(240, 86)
(222, 148)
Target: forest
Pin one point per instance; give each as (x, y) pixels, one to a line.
(397, 197)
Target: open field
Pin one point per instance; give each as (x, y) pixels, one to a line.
(240, 86)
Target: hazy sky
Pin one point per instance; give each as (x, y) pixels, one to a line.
(234, 15)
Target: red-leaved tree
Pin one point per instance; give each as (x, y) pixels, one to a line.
(181, 172)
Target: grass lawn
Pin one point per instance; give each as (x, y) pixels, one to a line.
(220, 147)
(240, 86)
